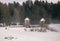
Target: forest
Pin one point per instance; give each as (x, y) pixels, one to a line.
(14, 12)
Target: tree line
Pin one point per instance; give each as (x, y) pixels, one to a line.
(14, 12)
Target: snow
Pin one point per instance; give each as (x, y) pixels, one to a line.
(55, 26)
(42, 19)
(20, 34)
(27, 19)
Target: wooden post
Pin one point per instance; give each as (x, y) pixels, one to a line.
(42, 24)
(27, 22)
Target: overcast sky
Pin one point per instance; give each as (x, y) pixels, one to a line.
(20, 1)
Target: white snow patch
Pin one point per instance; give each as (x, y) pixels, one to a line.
(20, 35)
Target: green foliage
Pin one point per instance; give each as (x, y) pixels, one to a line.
(33, 11)
(5, 14)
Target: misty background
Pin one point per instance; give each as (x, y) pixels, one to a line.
(21, 1)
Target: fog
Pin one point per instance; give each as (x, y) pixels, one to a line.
(21, 1)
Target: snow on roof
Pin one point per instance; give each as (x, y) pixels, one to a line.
(27, 19)
(42, 19)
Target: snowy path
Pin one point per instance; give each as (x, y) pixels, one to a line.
(20, 35)
(28, 36)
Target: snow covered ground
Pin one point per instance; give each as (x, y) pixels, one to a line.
(19, 34)
(55, 26)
